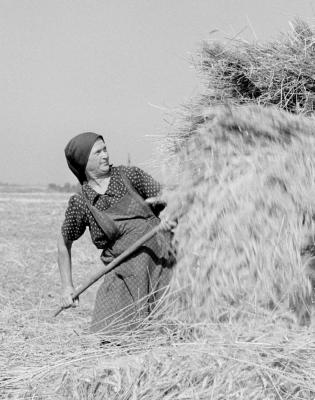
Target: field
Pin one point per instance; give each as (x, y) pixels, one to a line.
(31, 339)
(239, 320)
(44, 357)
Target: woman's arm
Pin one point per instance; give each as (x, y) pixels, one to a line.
(144, 183)
(150, 190)
(72, 228)
(65, 269)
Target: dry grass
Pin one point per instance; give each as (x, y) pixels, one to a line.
(42, 357)
(237, 324)
(257, 357)
(280, 72)
(277, 73)
(246, 189)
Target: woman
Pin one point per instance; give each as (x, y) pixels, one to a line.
(112, 204)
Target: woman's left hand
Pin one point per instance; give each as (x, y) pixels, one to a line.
(167, 224)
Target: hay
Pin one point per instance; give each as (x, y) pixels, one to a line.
(280, 72)
(168, 358)
(215, 362)
(246, 193)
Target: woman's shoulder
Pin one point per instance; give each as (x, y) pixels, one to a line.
(76, 201)
(76, 219)
(129, 171)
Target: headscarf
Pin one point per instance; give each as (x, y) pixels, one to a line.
(77, 153)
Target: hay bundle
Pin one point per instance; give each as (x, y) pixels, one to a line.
(246, 192)
(278, 73)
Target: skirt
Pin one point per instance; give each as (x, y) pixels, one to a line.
(129, 293)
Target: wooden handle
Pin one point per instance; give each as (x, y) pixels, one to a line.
(112, 265)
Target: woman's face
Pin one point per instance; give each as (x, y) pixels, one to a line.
(98, 162)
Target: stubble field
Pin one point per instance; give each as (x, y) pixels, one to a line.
(44, 357)
(32, 340)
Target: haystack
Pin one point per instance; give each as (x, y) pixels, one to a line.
(245, 199)
(279, 72)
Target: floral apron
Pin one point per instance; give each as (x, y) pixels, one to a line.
(129, 292)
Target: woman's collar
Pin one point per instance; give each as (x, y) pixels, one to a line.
(91, 193)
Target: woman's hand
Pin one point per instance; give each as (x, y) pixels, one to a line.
(66, 300)
(167, 224)
(64, 263)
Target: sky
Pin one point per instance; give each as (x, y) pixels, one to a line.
(116, 67)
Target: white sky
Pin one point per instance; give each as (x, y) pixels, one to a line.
(69, 66)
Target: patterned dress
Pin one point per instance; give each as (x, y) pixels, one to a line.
(129, 292)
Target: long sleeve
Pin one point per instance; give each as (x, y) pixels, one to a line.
(75, 221)
(143, 182)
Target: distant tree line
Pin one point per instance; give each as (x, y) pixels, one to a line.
(66, 188)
